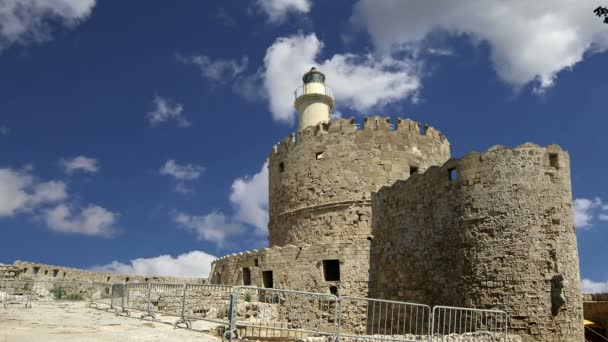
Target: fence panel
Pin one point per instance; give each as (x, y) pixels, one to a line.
(265, 312)
(136, 297)
(206, 302)
(119, 299)
(376, 319)
(166, 299)
(462, 324)
(14, 291)
(101, 293)
(54, 291)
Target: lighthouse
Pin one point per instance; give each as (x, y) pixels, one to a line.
(313, 100)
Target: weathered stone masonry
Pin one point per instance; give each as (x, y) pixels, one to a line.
(403, 221)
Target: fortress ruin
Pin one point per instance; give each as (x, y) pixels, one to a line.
(384, 211)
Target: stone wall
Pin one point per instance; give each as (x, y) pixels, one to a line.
(43, 272)
(491, 230)
(299, 268)
(10, 271)
(320, 184)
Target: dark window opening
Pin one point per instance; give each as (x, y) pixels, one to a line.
(25, 270)
(219, 278)
(64, 274)
(452, 174)
(267, 279)
(55, 273)
(331, 270)
(146, 280)
(553, 161)
(108, 279)
(46, 272)
(127, 279)
(319, 155)
(333, 290)
(281, 167)
(36, 269)
(107, 290)
(376, 124)
(246, 276)
(256, 262)
(413, 169)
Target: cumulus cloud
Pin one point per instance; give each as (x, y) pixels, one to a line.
(92, 220)
(24, 21)
(590, 286)
(530, 41)
(220, 70)
(182, 174)
(213, 227)
(359, 82)
(20, 191)
(278, 10)
(80, 163)
(587, 210)
(166, 111)
(194, 264)
(249, 199)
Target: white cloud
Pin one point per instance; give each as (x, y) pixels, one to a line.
(277, 10)
(24, 21)
(213, 227)
(194, 264)
(358, 82)
(220, 70)
(20, 191)
(165, 111)
(529, 40)
(182, 174)
(4, 130)
(585, 211)
(590, 286)
(92, 220)
(250, 199)
(80, 163)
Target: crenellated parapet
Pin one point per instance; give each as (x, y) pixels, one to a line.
(490, 230)
(320, 181)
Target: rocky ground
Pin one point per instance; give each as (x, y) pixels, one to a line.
(71, 322)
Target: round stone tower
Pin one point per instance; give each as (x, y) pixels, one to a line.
(320, 184)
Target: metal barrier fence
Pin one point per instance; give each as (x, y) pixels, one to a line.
(458, 324)
(15, 292)
(263, 312)
(273, 313)
(375, 319)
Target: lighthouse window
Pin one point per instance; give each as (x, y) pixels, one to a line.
(281, 167)
(319, 155)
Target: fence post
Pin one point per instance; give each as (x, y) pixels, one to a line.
(183, 319)
(231, 317)
(337, 329)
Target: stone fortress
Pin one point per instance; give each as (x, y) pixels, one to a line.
(384, 211)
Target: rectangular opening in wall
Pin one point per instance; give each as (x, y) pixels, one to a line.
(64, 274)
(55, 273)
(256, 262)
(35, 270)
(267, 279)
(333, 290)
(281, 167)
(553, 161)
(413, 169)
(46, 272)
(319, 155)
(246, 276)
(127, 279)
(452, 174)
(331, 270)
(108, 279)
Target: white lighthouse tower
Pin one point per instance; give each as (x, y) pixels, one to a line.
(314, 100)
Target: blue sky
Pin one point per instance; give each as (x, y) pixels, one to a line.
(133, 136)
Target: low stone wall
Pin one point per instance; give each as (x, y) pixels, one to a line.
(10, 271)
(339, 268)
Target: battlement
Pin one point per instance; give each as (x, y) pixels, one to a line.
(349, 126)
